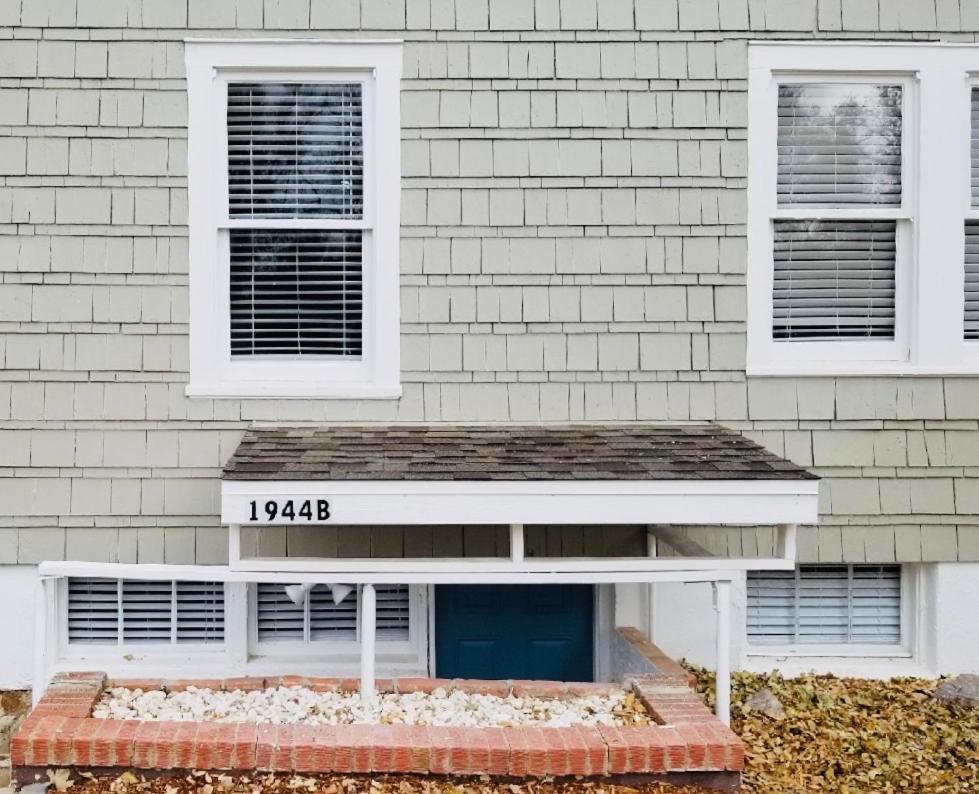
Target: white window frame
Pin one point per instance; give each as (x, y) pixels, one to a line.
(936, 200)
(211, 65)
(903, 649)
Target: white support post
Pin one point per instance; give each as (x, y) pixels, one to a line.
(785, 542)
(234, 544)
(516, 543)
(722, 606)
(368, 630)
(42, 592)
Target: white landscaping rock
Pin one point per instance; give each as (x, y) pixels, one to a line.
(286, 705)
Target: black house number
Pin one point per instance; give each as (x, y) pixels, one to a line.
(290, 510)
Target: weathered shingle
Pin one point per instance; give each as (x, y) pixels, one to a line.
(505, 452)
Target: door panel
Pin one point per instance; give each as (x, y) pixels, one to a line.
(514, 631)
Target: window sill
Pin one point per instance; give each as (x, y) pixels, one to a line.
(293, 391)
(830, 652)
(845, 369)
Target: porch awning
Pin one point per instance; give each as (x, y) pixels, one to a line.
(507, 474)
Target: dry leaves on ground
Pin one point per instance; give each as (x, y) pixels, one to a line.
(853, 736)
(209, 783)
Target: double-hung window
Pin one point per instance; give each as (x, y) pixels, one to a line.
(294, 170)
(860, 174)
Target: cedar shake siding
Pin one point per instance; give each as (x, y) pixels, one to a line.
(572, 249)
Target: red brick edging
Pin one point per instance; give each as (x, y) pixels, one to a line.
(61, 733)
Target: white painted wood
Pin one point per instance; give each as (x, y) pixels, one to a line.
(222, 573)
(530, 502)
(210, 65)
(368, 629)
(936, 187)
(786, 541)
(43, 599)
(349, 568)
(722, 595)
(516, 542)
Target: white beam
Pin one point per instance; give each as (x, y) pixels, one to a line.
(711, 502)
(222, 573)
(368, 631)
(504, 567)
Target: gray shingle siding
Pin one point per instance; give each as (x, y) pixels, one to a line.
(573, 248)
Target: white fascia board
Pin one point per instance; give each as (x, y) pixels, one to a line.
(450, 574)
(604, 502)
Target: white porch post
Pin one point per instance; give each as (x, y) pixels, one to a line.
(722, 599)
(42, 591)
(516, 542)
(368, 630)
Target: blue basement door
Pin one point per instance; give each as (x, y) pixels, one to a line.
(514, 631)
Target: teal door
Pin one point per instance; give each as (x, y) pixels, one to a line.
(514, 631)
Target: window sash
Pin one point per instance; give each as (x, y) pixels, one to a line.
(793, 347)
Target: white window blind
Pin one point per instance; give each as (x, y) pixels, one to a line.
(839, 144)
(296, 293)
(296, 151)
(839, 148)
(825, 605)
(318, 619)
(834, 280)
(127, 612)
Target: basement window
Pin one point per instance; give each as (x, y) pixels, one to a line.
(116, 612)
(816, 607)
(279, 623)
(294, 183)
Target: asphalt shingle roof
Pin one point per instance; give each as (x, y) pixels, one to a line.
(505, 452)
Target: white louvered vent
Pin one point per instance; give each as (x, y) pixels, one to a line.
(972, 279)
(834, 280)
(825, 605)
(972, 235)
(296, 293)
(295, 150)
(320, 620)
(135, 612)
(839, 145)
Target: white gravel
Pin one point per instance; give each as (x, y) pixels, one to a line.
(303, 705)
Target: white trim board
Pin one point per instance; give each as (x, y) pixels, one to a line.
(601, 502)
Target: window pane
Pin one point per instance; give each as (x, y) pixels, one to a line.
(972, 279)
(834, 280)
(295, 150)
(839, 145)
(296, 293)
(93, 611)
(200, 612)
(825, 605)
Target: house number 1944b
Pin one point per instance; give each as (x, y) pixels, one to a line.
(290, 510)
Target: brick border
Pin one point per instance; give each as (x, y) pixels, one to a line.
(687, 738)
